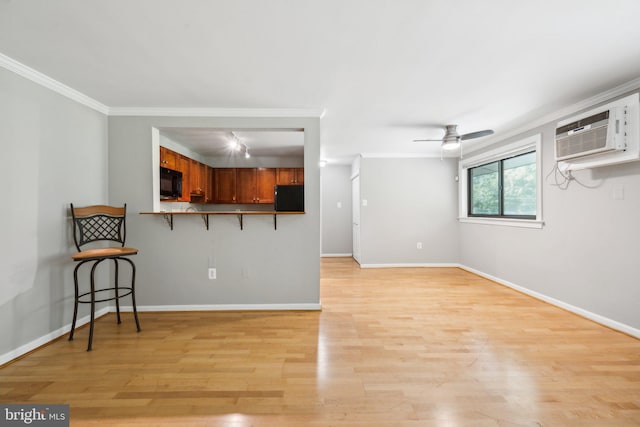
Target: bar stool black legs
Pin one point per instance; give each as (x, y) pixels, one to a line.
(117, 290)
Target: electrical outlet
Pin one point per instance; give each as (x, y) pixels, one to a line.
(212, 273)
(419, 245)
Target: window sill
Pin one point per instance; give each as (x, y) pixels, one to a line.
(506, 222)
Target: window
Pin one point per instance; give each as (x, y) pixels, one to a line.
(503, 186)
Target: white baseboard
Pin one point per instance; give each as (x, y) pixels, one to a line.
(229, 307)
(336, 255)
(410, 265)
(30, 346)
(610, 323)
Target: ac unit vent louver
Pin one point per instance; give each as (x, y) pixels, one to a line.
(598, 133)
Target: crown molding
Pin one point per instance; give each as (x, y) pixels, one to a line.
(46, 81)
(569, 110)
(216, 112)
(406, 156)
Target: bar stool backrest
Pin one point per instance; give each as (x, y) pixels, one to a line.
(98, 222)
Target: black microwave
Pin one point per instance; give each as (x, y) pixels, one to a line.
(170, 184)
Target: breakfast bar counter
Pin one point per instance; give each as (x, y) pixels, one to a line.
(205, 215)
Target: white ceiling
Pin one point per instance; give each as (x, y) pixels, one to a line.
(385, 72)
(259, 143)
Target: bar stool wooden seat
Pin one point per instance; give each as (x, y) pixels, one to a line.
(96, 224)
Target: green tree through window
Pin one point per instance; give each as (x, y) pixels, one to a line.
(485, 182)
(504, 188)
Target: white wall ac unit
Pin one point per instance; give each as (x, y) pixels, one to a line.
(600, 132)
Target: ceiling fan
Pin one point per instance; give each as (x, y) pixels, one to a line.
(452, 139)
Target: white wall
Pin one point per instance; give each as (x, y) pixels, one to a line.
(54, 153)
(336, 210)
(408, 201)
(586, 255)
(255, 266)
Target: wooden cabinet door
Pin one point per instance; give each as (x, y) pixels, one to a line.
(285, 176)
(183, 165)
(265, 181)
(290, 176)
(224, 184)
(163, 156)
(208, 186)
(245, 185)
(168, 158)
(198, 180)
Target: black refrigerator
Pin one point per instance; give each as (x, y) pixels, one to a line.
(289, 198)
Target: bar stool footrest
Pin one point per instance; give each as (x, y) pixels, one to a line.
(128, 291)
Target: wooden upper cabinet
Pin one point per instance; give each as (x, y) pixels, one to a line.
(208, 193)
(285, 176)
(194, 176)
(290, 176)
(198, 179)
(184, 165)
(255, 185)
(202, 171)
(224, 185)
(265, 181)
(245, 185)
(168, 158)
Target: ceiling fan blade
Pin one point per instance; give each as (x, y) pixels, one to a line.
(478, 134)
(427, 140)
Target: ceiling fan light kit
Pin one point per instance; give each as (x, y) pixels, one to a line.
(450, 145)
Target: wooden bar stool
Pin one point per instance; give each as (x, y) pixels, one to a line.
(94, 224)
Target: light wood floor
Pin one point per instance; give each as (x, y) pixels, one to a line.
(391, 347)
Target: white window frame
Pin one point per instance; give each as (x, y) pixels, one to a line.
(522, 146)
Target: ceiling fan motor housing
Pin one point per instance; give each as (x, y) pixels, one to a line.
(451, 134)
